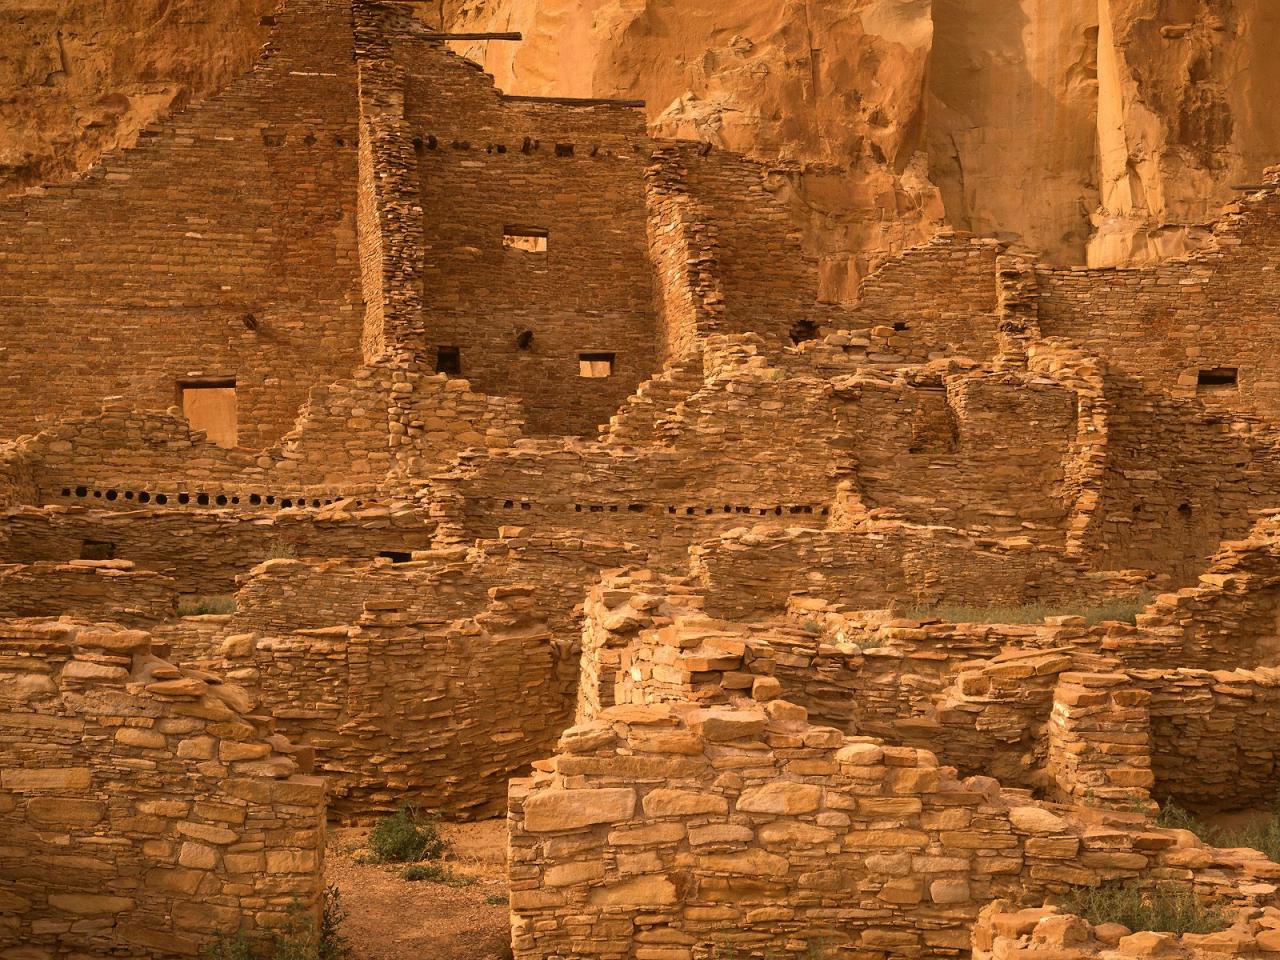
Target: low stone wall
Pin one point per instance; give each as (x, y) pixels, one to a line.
(752, 573)
(205, 548)
(1004, 932)
(281, 596)
(1214, 735)
(113, 590)
(401, 707)
(143, 810)
(696, 832)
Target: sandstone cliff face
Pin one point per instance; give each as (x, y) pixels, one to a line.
(1186, 109)
(1011, 119)
(1106, 131)
(78, 77)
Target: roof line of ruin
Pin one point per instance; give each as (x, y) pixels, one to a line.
(574, 101)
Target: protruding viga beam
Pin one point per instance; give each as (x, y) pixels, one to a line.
(472, 36)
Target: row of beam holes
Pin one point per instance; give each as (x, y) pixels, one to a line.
(529, 145)
(688, 511)
(201, 499)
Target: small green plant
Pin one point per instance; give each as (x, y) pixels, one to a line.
(436, 873)
(200, 606)
(1165, 908)
(1262, 833)
(301, 938)
(281, 551)
(407, 837)
(497, 899)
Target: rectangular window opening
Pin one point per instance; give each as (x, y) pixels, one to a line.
(1218, 378)
(209, 404)
(97, 550)
(396, 556)
(449, 361)
(595, 365)
(525, 239)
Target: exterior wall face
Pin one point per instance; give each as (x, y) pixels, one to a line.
(499, 177)
(223, 245)
(707, 831)
(1165, 324)
(143, 811)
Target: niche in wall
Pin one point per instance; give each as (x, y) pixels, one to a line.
(449, 361)
(595, 365)
(1218, 378)
(209, 404)
(97, 550)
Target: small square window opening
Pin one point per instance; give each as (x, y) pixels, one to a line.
(449, 361)
(525, 239)
(595, 365)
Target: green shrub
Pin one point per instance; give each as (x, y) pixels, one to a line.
(199, 606)
(497, 899)
(299, 939)
(1165, 908)
(407, 837)
(436, 873)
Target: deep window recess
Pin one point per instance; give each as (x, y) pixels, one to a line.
(525, 239)
(97, 550)
(1218, 378)
(449, 361)
(595, 365)
(396, 556)
(209, 404)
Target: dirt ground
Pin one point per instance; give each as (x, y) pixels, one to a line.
(389, 918)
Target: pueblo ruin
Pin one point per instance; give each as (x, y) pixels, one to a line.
(376, 441)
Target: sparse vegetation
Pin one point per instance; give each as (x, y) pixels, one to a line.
(301, 938)
(407, 836)
(1261, 833)
(436, 873)
(200, 606)
(281, 551)
(1165, 908)
(1124, 611)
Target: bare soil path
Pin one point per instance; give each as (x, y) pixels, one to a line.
(390, 918)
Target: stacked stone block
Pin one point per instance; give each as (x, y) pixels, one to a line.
(679, 832)
(144, 809)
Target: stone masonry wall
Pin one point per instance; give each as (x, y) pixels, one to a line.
(222, 246)
(751, 574)
(686, 833)
(384, 428)
(1166, 323)
(403, 706)
(143, 810)
(109, 590)
(204, 549)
